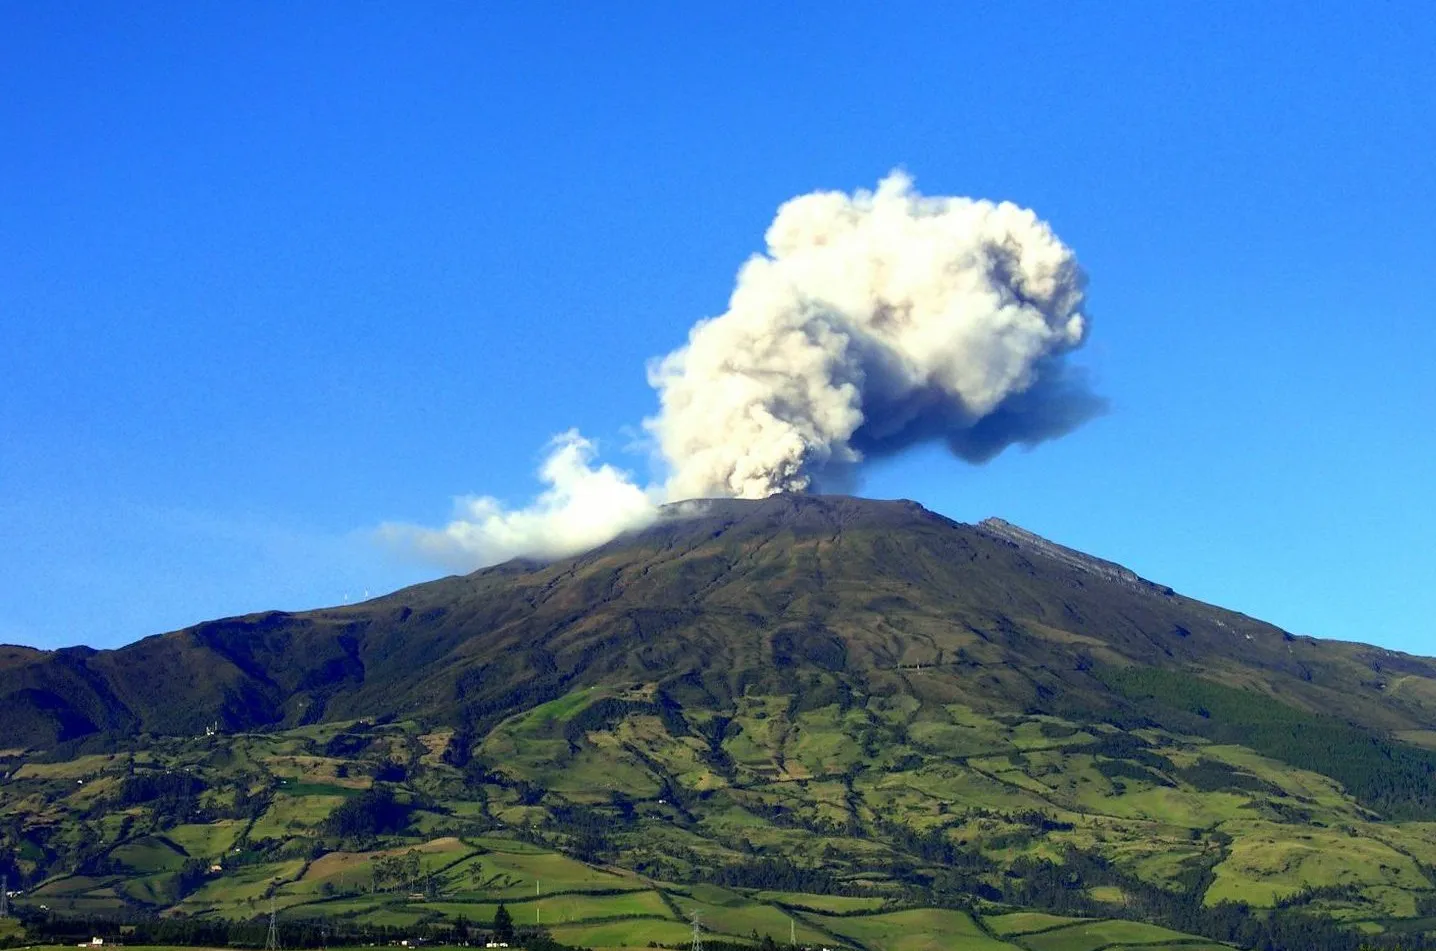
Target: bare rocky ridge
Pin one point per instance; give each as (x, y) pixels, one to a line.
(1030, 541)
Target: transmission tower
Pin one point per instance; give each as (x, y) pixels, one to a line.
(697, 932)
(271, 942)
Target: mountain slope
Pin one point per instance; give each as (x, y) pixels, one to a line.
(744, 592)
(816, 695)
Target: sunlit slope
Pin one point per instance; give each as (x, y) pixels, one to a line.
(863, 822)
(825, 706)
(747, 593)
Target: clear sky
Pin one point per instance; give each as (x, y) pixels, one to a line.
(274, 274)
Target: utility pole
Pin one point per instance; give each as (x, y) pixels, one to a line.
(537, 910)
(271, 942)
(792, 934)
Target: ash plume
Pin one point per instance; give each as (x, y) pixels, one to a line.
(584, 506)
(873, 322)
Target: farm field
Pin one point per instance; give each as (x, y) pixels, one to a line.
(1092, 935)
(925, 929)
(469, 871)
(587, 816)
(1026, 922)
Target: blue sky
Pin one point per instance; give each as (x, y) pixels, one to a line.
(271, 275)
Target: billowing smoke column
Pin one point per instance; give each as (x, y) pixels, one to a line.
(875, 321)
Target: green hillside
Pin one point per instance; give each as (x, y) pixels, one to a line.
(853, 723)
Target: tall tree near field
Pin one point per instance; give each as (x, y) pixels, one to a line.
(503, 924)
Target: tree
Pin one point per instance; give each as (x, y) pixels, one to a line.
(503, 924)
(373, 813)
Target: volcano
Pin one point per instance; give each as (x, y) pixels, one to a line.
(720, 598)
(848, 716)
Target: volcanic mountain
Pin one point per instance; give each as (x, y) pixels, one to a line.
(723, 597)
(845, 719)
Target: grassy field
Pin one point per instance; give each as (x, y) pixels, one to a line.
(729, 913)
(235, 894)
(208, 840)
(506, 871)
(149, 854)
(780, 785)
(840, 904)
(1268, 862)
(1092, 935)
(635, 933)
(563, 909)
(292, 814)
(1025, 922)
(925, 929)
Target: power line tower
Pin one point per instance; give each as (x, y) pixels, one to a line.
(271, 941)
(697, 932)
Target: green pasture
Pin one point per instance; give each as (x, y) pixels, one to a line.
(944, 784)
(540, 723)
(242, 885)
(920, 929)
(209, 840)
(742, 917)
(836, 904)
(288, 815)
(679, 756)
(102, 902)
(81, 767)
(561, 909)
(67, 886)
(149, 854)
(1159, 813)
(532, 746)
(393, 915)
(1312, 789)
(344, 872)
(823, 740)
(499, 843)
(1092, 935)
(594, 774)
(630, 933)
(348, 906)
(1026, 922)
(516, 873)
(158, 890)
(1267, 862)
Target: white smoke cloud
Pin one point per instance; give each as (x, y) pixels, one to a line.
(583, 507)
(873, 322)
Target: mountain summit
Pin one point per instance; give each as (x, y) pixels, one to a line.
(721, 596)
